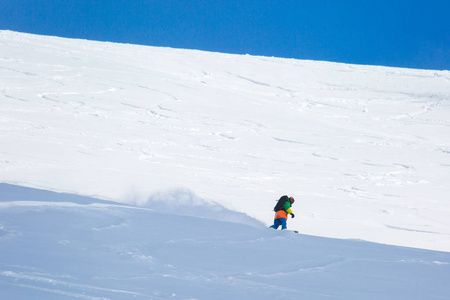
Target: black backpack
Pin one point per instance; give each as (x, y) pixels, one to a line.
(280, 203)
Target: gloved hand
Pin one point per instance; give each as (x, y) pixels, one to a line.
(293, 216)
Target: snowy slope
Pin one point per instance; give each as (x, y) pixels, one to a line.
(62, 246)
(364, 150)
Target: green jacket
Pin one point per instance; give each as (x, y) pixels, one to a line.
(283, 213)
(287, 207)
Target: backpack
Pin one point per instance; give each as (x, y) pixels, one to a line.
(280, 203)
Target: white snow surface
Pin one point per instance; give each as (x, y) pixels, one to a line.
(134, 172)
(63, 246)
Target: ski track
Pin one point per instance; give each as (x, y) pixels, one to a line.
(50, 285)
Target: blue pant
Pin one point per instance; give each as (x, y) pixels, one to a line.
(278, 222)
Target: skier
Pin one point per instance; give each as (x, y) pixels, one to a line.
(282, 209)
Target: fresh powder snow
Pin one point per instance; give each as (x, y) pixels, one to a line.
(133, 172)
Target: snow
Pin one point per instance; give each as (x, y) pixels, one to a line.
(61, 246)
(134, 172)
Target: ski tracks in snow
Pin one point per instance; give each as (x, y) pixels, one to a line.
(68, 288)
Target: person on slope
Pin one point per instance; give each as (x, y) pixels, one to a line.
(282, 209)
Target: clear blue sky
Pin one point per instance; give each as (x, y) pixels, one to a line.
(401, 33)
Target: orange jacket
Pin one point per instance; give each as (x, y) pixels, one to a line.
(284, 212)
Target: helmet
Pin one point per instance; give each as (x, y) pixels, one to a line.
(291, 200)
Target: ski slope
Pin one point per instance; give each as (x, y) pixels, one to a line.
(183, 154)
(62, 246)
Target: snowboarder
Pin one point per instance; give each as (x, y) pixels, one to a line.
(282, 209)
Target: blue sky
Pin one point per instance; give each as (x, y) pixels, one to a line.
(401, 33)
